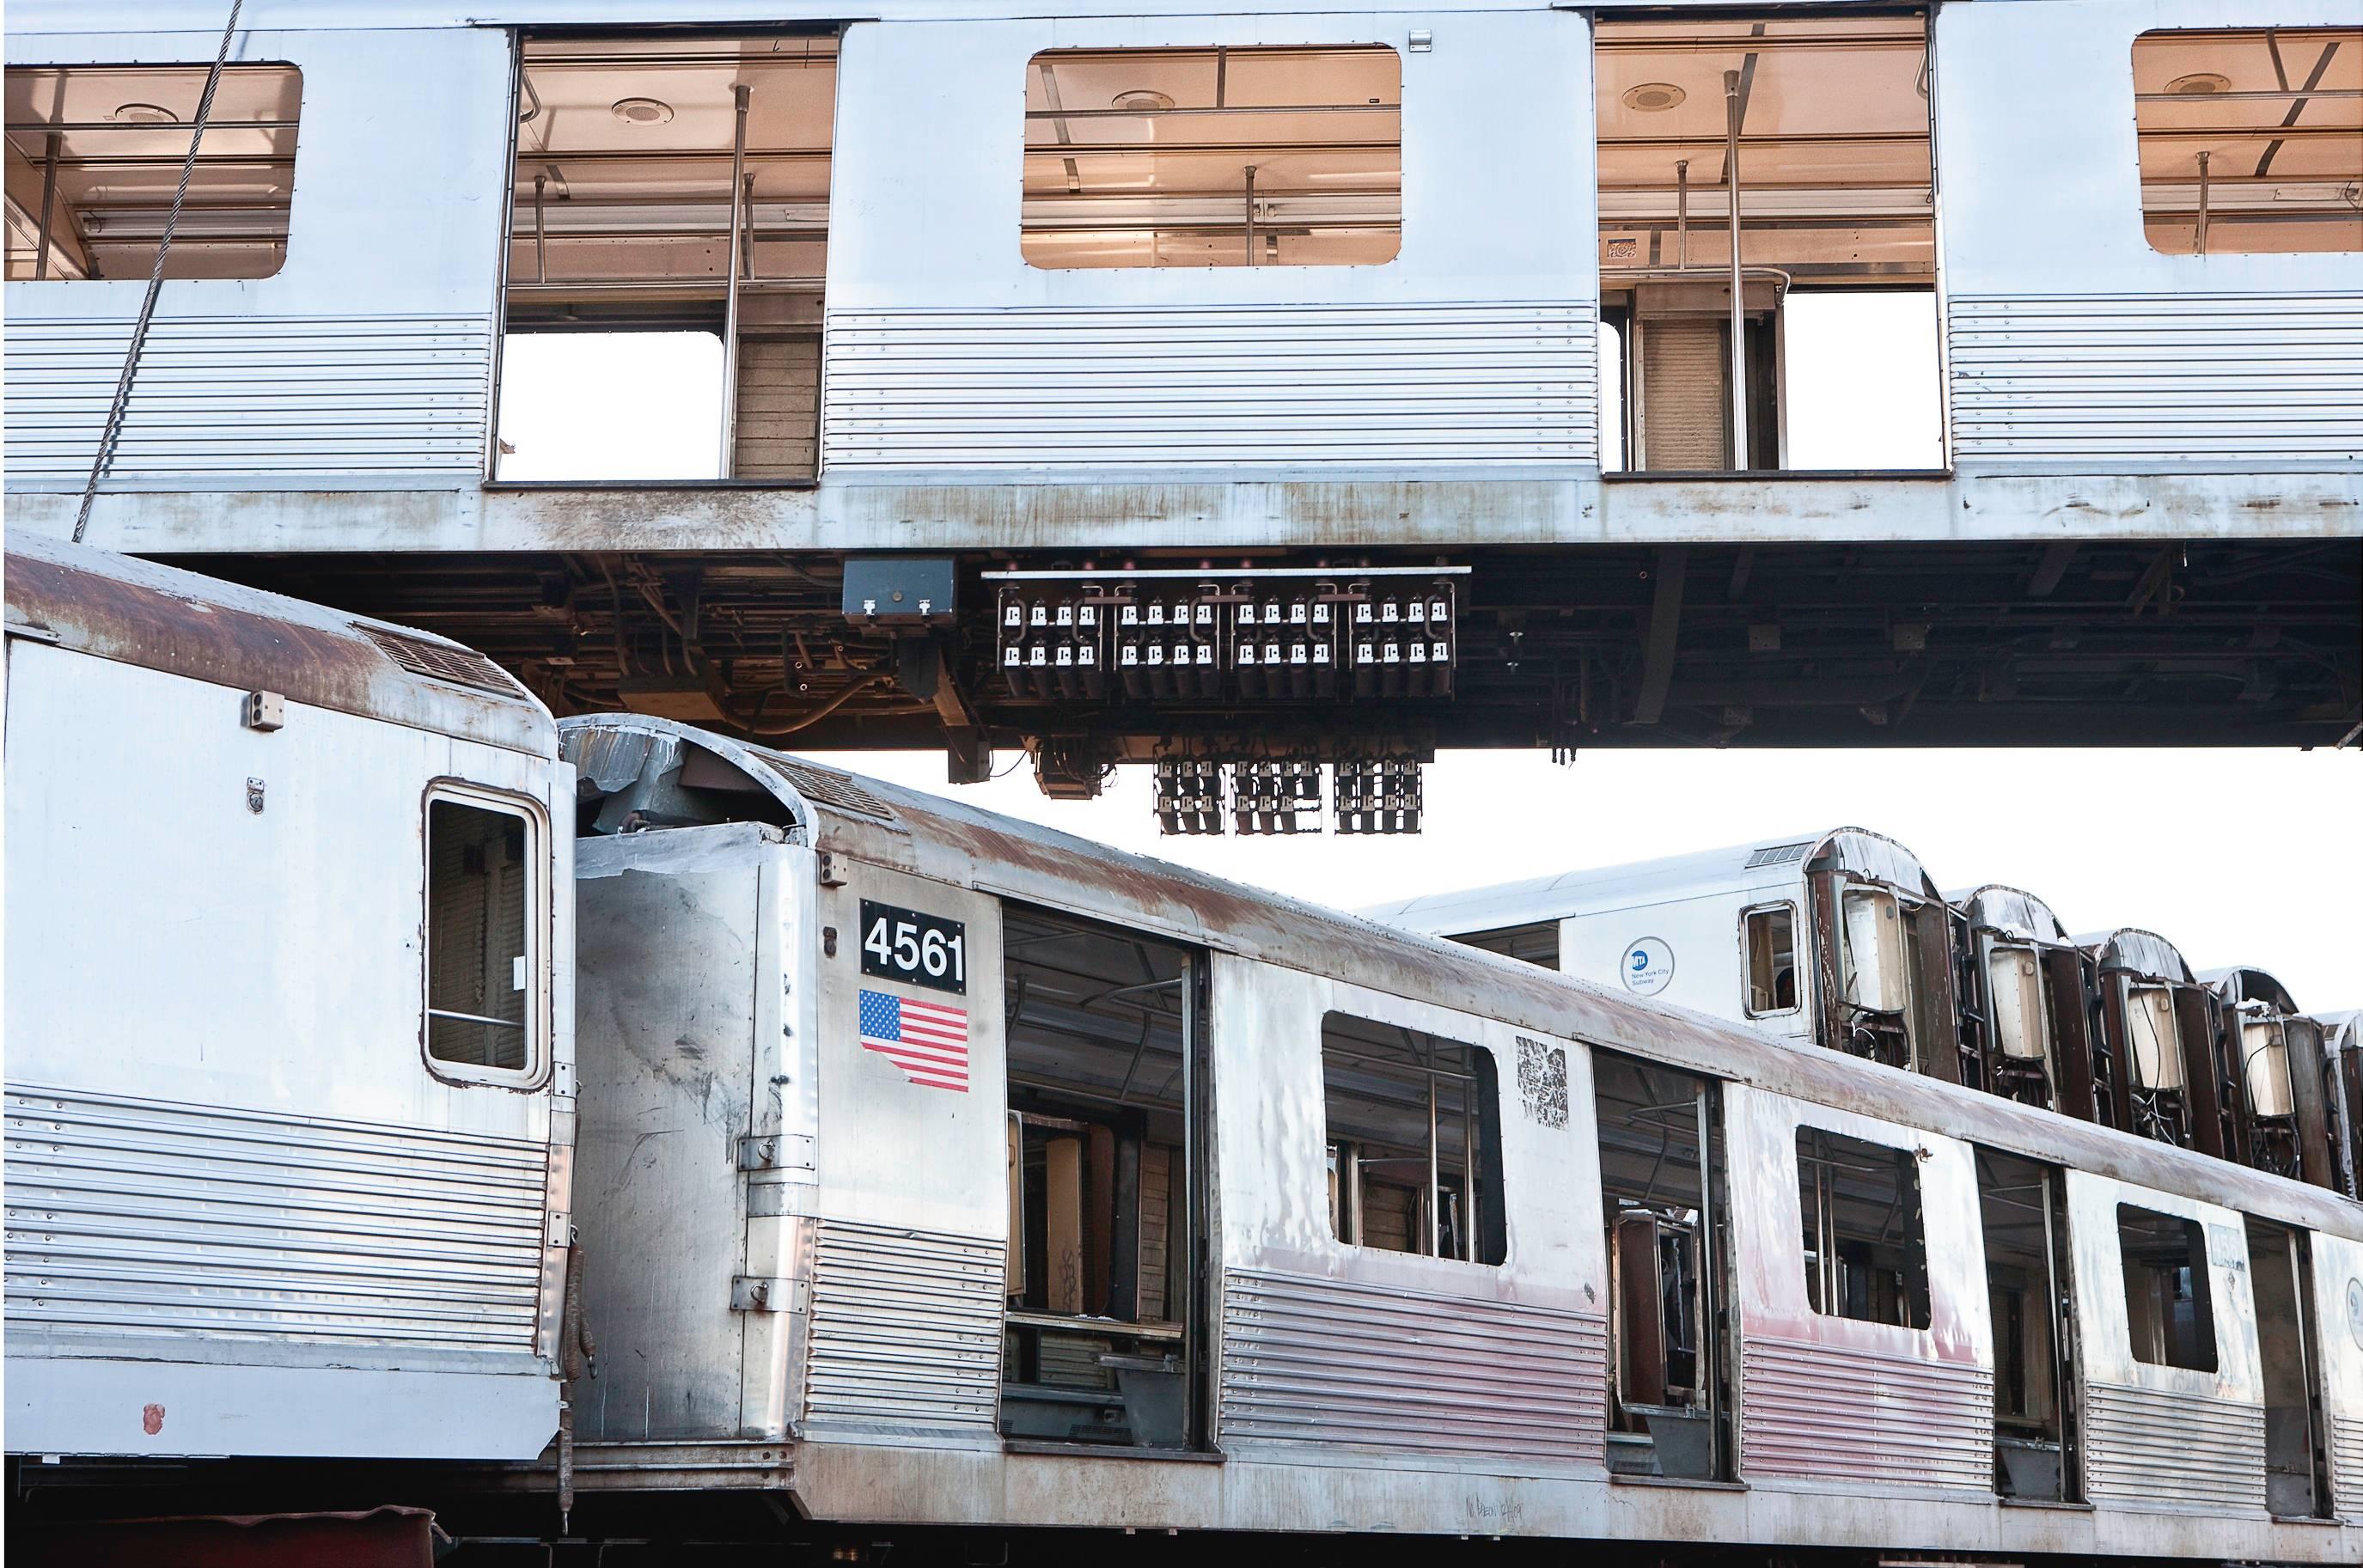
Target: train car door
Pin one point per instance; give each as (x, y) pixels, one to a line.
(2023, 1216)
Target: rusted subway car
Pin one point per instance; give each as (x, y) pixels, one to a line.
(939, 1169)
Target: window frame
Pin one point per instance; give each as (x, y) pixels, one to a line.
(1919, 1289)
(538, 1054)
(1747, 959)
(2199, 1262)
(1496, 1155)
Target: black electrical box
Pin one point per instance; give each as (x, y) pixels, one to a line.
(899, 591)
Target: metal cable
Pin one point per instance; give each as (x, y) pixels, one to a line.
(103, 458)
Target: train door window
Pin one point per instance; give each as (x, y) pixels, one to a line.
(1257, 157)
(1788, 156)
(1771, 936)
(2023, 1212)
(95, 154)
(1413, 1135)
(2169, 1310)
(484, 900)
(667, 242)
(2250, 140)
(1536, 943)
(1865, 1254)
(1663, 1204)
(1097, 1336)
(2297, 1475)
(2155, 1037)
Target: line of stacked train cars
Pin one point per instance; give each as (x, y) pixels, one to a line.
(916, 1166)
(1840, 939)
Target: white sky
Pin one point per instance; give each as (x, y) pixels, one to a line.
(2237, 856)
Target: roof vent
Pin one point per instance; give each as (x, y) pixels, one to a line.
(1779, 855)
(439, 661)
(833, 790)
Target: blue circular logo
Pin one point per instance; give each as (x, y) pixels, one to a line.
(1649, 967)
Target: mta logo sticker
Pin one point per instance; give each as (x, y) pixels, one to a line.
(1648, 967)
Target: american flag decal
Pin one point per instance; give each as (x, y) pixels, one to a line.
(927, 1039)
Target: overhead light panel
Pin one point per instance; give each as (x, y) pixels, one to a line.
(1380, 795)
(1276, 797)
(1189, 796)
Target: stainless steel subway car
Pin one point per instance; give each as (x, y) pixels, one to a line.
(289, 1028)
(939, 1169)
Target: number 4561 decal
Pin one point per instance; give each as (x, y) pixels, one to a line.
(916, 949)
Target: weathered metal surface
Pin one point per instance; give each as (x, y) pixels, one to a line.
(2100, 382)
(905, 1328)
(381, 1538)
(1051, 390)
(2142, 1446)
(2337, 1340)
(241, 401)
(2010, 911)
(1905, 1422)
(115, 607)
(1314, 1361)
(2143, 952)
(134, 1217)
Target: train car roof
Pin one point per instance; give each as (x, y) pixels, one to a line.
(1763, 862)
(616, 755)
(158, 617)
(2249, 982)
(2143, 951)
(2010, 909)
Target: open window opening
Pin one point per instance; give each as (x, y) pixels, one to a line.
(1766, 202)
(2297, 1463)
(1536, 943)
(1866, 1251)
(2023, 1215)
(1098, 1336)
(95, 153)
(1662, 1199)
(483, 894)
(1413, 1137)
(1769, 935)
(1257, 156)
(668, 240)
(2170, 1308)
(2250, 141)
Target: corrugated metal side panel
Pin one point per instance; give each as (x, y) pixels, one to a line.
(2346, 1444)
(1311, 1360)
(1844, 1414)
(224, 398)
(905, 1328)
(146, 1217)
(2145, 1446)
(1294, 384)
(2133, 378)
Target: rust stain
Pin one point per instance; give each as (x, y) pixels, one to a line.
(151, 1419)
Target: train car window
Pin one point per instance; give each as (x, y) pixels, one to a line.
(1415, 1154)
(668, 237)
(2170, 1312)
(1814, 131)
(1536, 943)
(1865, 1254)
(482, 898)
(1260, 157)
(2250, 140)
(1771, 938)
(95, 153)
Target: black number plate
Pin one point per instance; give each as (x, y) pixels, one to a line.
(916, 949)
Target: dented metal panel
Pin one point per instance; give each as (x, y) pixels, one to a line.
(1314, 1359)
(905, 1328)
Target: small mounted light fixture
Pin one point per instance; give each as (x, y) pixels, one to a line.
(642, 111)
(264, 711)
(144, 115)
(2199, 84)
(1143, 101)
(1654, 97)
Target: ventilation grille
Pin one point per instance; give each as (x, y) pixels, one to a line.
(464, 666)
(1779, 855)
(833, 790)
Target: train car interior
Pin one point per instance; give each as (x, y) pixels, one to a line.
(2169, 1304)
(1097, 1338)
(2297, 1466)
(668, 237)
(1662, 1193)
(94, 152)
(1412, 1142)
(1866, 1242)
(1793, 151)
(1220, 157)
(2022, 1209)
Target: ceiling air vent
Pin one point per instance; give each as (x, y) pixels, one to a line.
(441, 661)
(1779, 855)
(833, 790)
